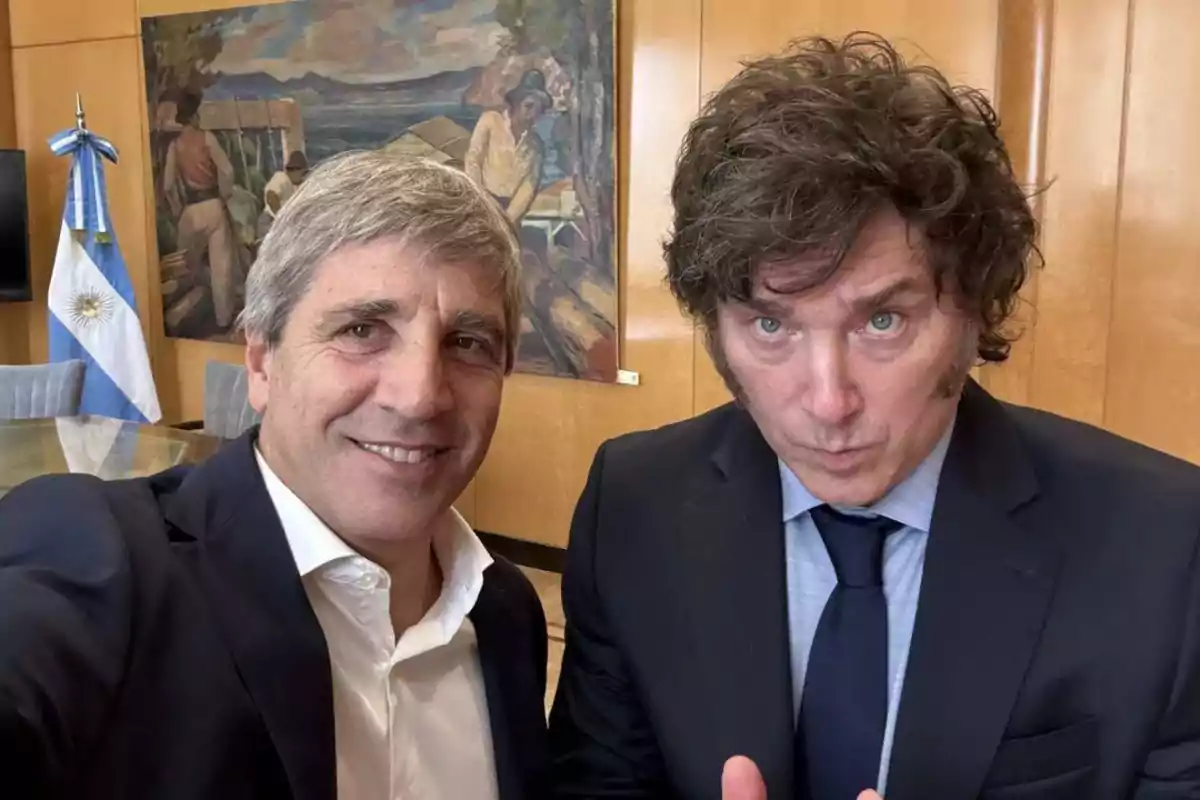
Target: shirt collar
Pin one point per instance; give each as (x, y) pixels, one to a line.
(463, 560)
(909, 502)
(460, 554)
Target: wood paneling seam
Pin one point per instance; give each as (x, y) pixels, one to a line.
(1039, 121)
(1116, 246)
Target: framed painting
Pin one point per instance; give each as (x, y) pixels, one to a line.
(520, 94)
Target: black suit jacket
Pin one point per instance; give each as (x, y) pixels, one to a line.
(1056, 652)
(156, 642)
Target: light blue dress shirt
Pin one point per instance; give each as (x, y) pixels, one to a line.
(811, 577)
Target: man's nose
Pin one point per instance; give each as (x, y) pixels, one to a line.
(832, 396)
(413, 381)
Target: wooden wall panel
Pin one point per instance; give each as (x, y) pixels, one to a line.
(14, 339)
(1022, 99)
(106, 75)
(958, 36)
(8, 111)
(36, 22)
(106, 81)
(550, 428)
(1153, 393)
(1069, 352)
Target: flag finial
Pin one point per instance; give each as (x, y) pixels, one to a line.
(79, 118)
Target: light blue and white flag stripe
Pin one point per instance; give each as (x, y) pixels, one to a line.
(86, 162)
(93, 313)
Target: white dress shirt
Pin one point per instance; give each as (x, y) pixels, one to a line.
(411, 715)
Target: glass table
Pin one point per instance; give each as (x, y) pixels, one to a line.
(109, 448)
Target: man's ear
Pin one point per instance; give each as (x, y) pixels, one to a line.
(258, 371)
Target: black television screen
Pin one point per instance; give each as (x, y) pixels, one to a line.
(14, 228)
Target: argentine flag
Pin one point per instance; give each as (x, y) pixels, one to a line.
(93, 314)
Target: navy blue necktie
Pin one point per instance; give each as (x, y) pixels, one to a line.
(839, 734)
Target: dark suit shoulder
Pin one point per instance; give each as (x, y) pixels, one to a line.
(82, 514)
(676, 440)
(512, 596)
(65, 520)
(1105, 469)
(1101, 453)
(508, 579)
(511, 605)
(668, 451)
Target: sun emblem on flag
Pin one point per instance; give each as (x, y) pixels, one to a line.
(90, 307)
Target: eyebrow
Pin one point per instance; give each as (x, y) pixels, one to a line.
(887, 294)
(866, 303)
(487, 325)
(768, 308)
(361, 311)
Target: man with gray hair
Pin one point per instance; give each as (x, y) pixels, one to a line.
(303, 616)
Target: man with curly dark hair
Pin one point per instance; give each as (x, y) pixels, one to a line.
(866, 574)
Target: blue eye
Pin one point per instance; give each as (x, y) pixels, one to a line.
(882, 322)
(768, 325)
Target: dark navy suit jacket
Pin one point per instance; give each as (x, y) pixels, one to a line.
(1056, 652)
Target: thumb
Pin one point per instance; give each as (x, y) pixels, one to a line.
(741, 780)
(870, 794)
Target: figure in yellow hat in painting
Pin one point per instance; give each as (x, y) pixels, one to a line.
(506, 154)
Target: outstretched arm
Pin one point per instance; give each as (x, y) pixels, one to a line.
(65, 609)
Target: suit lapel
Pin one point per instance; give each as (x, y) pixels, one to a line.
(246, 566)
(985, 592)
(734, 571)
(506, 678)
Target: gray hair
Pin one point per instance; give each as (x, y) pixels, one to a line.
(363, 196)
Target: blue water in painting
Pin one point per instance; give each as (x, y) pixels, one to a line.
(330, 129)
(358, 120)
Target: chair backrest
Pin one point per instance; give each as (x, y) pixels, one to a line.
(227, 409)
(38, 391)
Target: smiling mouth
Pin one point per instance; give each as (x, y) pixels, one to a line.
(403, 455)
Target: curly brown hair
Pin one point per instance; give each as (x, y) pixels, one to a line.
(799, 151)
